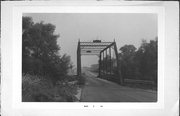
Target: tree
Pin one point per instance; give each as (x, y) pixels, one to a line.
(127, 50)
(147, 58)
(42, 41)
(128, 65)
(26, 39)
(38, 42)
(139, 64)
(40, 51)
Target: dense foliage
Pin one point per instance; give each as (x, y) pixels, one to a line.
(139, 64)
(39, 89)
(40, 51)
(44, 71)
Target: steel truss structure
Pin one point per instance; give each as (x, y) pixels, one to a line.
(108, 66)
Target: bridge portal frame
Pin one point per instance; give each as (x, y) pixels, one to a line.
(100, 49)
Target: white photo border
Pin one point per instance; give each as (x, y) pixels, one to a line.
(11, 59)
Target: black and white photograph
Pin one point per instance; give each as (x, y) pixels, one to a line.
(63, 58)
(89, 57)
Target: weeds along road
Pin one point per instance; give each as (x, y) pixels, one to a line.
(99, 90)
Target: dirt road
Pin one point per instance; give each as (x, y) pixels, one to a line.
(99, 90)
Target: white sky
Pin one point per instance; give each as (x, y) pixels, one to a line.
(125, 28)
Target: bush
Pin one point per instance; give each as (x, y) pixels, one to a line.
(66, 91)
(38, 89)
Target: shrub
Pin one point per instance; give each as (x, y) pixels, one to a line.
(66, 91)
(35, 88)
(38, 89)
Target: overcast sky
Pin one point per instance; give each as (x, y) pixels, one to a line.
(125, 28)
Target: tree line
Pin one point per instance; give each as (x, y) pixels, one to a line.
(141, 63)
